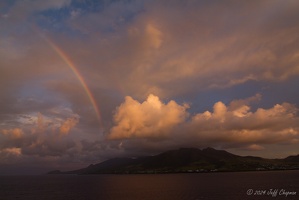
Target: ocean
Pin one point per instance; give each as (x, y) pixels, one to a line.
(193, 186)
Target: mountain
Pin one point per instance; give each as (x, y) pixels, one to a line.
(187, 160)
(292, 158)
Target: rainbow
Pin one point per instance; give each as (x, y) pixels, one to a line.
(76, 72)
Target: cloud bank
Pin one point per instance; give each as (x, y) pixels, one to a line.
(226, 125)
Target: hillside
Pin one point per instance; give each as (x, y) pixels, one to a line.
(187, 160)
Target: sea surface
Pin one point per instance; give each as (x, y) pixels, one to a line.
(230, 185)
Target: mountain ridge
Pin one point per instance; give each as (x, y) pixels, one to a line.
(187, 160)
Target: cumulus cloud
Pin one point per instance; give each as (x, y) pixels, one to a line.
(235, 125)
(242, 126)
(242, 103)
(152, 118)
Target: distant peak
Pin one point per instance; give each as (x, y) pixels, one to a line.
(186, 148)
(209, 149)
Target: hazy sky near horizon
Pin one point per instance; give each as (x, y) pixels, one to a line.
(82, 81)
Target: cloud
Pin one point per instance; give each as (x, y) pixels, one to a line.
(154, 36)
(50, 141)
(235, 125)
(186, 50)
(254, 147)
(241, 104)
(46, 137)
(12, 151)
(57, 126)
(197, 48)
(241, 126)
(9, 155)
(190, 48)
(150, 48)
(13, 133)
(152, 118)
(26, 7)
(67, 125)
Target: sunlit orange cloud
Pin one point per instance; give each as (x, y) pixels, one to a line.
(234, 124)
(152, 118)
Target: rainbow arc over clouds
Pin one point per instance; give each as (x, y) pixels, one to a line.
(76, 72)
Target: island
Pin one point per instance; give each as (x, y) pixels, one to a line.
(187, 160)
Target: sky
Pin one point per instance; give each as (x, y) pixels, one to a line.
(82, 81)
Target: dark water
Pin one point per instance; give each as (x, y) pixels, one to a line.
(232, 186)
